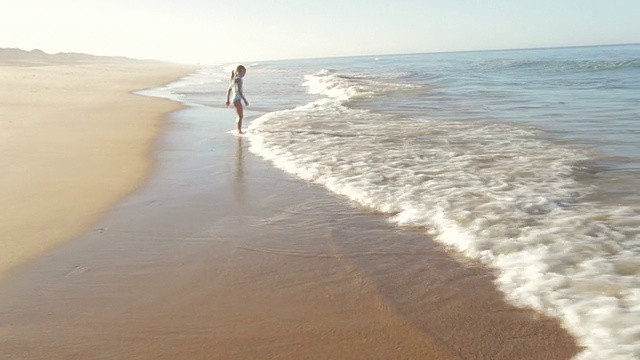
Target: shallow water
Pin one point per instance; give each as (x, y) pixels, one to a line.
(528, 160)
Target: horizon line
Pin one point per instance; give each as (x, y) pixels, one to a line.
(443, 52)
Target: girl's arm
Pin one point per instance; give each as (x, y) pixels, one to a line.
(228, 95)
(241, 92)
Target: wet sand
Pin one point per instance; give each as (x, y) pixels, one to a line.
(221, 256)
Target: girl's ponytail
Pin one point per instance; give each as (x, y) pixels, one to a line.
(233, 75)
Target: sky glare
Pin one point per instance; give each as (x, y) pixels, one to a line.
(210, 31)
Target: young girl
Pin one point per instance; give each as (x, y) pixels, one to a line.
(235, 87)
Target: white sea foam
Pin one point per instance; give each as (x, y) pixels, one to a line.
(495, 192)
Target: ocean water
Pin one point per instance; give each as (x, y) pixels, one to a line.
(527, 160)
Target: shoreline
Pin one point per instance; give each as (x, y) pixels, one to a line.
(74, 140)
(219, 254)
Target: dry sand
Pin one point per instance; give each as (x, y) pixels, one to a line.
(73, 140)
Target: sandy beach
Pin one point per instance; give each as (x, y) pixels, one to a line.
(73, 141)
(211, 253)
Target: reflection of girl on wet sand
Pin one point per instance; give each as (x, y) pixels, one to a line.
(235, 87)
(239, 184)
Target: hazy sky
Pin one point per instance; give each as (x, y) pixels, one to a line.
(209, 31)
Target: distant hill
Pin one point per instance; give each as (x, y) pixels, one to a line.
(13, 56)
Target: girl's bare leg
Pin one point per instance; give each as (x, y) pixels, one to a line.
(240, 112)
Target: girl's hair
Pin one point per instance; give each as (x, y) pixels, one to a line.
(237, 70)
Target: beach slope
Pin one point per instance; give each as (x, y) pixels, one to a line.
(74, 139)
